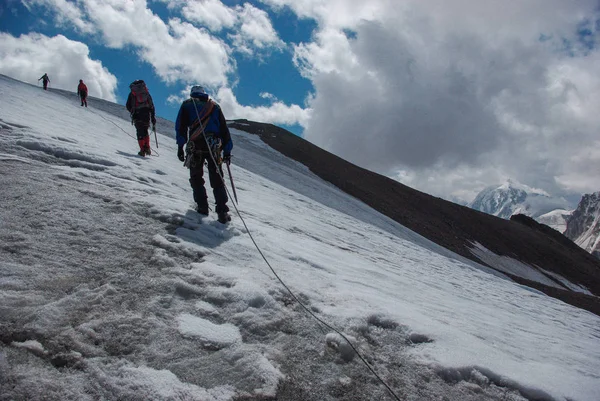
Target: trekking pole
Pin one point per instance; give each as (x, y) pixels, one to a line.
(155, 137)
(231, 180)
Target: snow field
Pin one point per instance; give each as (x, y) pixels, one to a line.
(111, 286)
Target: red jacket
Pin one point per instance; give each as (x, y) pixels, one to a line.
(82, 89)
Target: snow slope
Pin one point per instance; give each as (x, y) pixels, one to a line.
(112, 287)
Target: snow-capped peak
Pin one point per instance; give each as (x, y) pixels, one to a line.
(510, 184)
(583, 226)
(513, 197)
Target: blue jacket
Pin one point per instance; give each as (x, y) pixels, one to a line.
(188, 115)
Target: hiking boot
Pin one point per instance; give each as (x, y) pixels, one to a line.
(148, 152)
(141, 153)
(202, 210)
(223, 218)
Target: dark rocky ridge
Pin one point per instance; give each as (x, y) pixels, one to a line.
(448, 224)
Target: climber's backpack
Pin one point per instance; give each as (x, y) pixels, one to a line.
(141, 96)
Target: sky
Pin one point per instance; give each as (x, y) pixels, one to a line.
(446, 97)
(113, 287)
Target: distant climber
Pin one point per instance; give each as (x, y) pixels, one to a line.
(141, 109)
(200, 123)
(82, 92)
(45, 80)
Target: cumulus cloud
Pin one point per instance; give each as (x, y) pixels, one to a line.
(451, 97)
(336, 13)
(65, 61)
(251, 28)
(66, 12)
(276, 113)
(211, 13)
(176, 49)
(255, 31)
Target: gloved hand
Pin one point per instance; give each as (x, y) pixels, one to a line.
(153, 121)
(154, 127)
(180, 154)
(227, 159)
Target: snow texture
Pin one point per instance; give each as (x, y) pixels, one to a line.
(112, 287)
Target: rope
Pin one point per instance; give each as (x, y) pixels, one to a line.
(154, 152)
(283, 283)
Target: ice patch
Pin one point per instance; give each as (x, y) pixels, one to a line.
(205, 307)
(567, 283)
(512, 266)
(146, 383)
(32, 345)
(193, 326)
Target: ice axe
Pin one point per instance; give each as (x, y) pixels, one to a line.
(155, 137)
(231, 180)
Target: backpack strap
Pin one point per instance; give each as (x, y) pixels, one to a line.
(202, 120)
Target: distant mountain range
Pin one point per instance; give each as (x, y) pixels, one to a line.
(513, 198)
(581, 225)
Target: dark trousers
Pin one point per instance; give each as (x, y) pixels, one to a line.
(45, 85)
(141, 129)
(84, 100)
(216, 183)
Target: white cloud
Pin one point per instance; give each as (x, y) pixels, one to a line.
(212, 13)
(66, 12)
(489, 17)
(330, 53)
(267, 95)
(65, 61)
(255, 31)
(177, 50)
(251, 28)
(275, 113)
(337, 13)
(454, 94)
